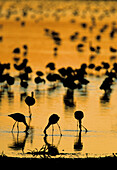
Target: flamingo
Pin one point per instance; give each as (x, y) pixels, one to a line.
(30, 101)
(16, 50)
(39, 73)
(79, 47)
(53, 119)
(39, 80)
(113, 50)
(79, 115)
(51, 66)
(18, 117)
(21, 66)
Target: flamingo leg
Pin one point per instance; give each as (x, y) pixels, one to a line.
(52, 133)
(13, 127)
(18, 127)
(29, 110)
(86, 130)
(59, 129)
(52, 130)
(77, 128)
(77, 125)
(30, 114)
(17, 136)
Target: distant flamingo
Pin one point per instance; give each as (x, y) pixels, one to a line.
(91, 66)
(107, 83)
(103, 28)
(51, 66)
(16, 50)
(62, 71)
(25, 47)
(98, 37)
(74, 36)
(98, 69)
(10, 80)
(39, 80)
(18, 117)
(91, 47)
(39, 73)
(53, 119)
(21, 66)
(24, 84)
(16, 59)
(80, 47)
(113, 50)
(79, 115)
(106, 66)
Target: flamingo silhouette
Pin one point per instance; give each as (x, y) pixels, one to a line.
(16, 50)
(19, 117)
(21, 66)
(30, 101)
(51, 66)
(39, 80)
(79, 47)
(53, 119)
(79, 115)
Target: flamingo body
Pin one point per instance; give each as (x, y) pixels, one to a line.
(19, 117)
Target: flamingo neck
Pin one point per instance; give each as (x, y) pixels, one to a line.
(32, 94)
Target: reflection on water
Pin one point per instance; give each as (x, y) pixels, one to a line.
(19, 141)
(99, 118)
(52, 149)
(78, 145)
(65, 59)
(18, 144)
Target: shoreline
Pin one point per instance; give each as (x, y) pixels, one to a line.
(59, 162)
(60, 159)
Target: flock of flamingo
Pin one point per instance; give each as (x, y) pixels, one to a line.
(70, 79)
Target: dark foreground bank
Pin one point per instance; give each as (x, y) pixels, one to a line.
(93, 162)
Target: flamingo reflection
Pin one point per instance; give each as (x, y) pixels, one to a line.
(105, 98)
(49, 149)
(69, 98)
(78, 145)
(18, 144)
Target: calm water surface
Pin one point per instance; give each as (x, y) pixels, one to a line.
(100, 115)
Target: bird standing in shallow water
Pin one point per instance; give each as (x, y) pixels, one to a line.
(22, 65)
(30, 101)
(53, 119)
(19, 117)
(79, 115)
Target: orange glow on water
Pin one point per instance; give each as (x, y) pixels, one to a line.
(100, 116)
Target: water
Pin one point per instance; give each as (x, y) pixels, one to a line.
(100, 115)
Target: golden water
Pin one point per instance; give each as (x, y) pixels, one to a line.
(100, 118)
